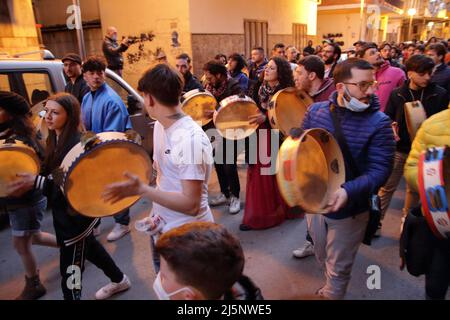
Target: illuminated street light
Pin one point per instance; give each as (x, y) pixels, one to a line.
(411, 13)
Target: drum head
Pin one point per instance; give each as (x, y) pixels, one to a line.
(311, 168)
(99, 167)
(16, 158)
(231, 120)
(288, 108)
(196, 104)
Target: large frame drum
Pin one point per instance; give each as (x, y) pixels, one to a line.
(231, 119)
(89, 170)
(195, 104)
(287, 109)
(434, 189)
(16, 157)
(310, 169)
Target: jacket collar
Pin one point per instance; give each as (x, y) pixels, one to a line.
(324, 86)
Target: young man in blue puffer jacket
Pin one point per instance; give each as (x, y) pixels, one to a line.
(369, 136)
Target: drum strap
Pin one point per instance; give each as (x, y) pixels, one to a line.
(343, 143)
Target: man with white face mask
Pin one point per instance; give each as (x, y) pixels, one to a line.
(113, 50)
(202, 261)
(370, 143)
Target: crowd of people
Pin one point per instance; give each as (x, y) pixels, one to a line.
(359, 97)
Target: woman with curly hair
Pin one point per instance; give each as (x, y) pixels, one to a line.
(264, 206)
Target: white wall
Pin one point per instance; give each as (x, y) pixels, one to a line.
(228, 16)
(143, 16)
(346, 23)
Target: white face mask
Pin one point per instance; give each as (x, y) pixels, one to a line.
(161, 293)
(354, 104)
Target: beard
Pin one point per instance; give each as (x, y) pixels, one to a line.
(330, 60)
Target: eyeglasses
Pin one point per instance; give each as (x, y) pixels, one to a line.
(364, 85)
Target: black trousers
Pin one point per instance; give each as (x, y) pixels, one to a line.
(71, 265)
(437, 278)
(225, 159)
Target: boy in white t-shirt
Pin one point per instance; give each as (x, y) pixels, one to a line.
(182, 157)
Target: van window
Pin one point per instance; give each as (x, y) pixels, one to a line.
(38, 86)
(4, 83)
(118, 89)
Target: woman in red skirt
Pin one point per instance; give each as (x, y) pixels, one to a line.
(264, 205)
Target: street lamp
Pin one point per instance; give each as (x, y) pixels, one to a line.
(411, 13)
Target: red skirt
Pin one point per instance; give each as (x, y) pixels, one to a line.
(264, 205)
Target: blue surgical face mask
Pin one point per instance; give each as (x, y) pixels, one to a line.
(161, 293)
(354, 104)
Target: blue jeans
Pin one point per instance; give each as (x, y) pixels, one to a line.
(155, 257)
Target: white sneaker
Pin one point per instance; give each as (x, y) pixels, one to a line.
(113, 288)
(118, 232)
(97, 231)
(219, 200)
(305, 251)
(235, 205)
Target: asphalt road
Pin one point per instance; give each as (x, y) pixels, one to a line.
(269, 260)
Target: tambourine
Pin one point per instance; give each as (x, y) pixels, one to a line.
(310, 169)
(99, 160)
(287, 109)
(232, 117)
(415, 115)
(196, 102)
(434, 189)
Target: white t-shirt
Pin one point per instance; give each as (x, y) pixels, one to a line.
(181, 152)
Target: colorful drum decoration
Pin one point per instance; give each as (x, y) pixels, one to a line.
(287, 109)
(98, 161)
(16, 157)
(434, 189)
(232, 117)
(310, 169)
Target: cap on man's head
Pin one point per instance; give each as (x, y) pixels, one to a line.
(72, 57)
(13, 103)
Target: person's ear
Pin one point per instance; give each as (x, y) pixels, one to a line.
(409, 73)
(312, 76)
(192, 294)
(340, 88)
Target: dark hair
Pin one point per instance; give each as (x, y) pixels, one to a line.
(164, 83)
(220, 55)
(314, 64)
(57, 149)
(184, 56)
(278, 45)
(419, 63)
(215, 67)
(336, 49)
(410, 45)
(241, 64)
(384, 44)
(362, 51)
(203, 255)
(421, 48)
(259, 49)
(439, 48)
(343, 70)
(94, 63)
(284, 71)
